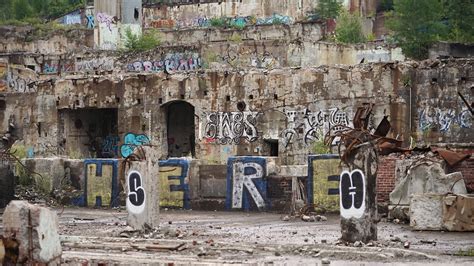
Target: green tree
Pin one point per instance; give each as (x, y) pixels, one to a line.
(22, 9)
(417, 24)
(140, 43)
(459, 15)
(329, 8)
(349, 28)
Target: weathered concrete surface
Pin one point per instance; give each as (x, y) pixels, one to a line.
(35, 229)
(143, 204)
(427, 177)
(359, 223)
(426, 211)
(458, 212)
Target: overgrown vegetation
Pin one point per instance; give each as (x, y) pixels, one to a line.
(24, 10)
(349, 29)
(418, 24)
(141, 42)
(328, 9)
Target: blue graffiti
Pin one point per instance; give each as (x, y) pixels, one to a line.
(90, 21)
(183, 186)
(246, 183)
(110, 146)
(131, 141)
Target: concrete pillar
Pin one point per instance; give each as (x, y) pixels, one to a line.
(35, 229)
(357, 190)
(142, 181)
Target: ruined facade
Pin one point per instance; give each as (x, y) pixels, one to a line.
(265, 91)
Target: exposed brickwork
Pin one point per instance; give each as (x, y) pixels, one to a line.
(385, 178)
(467, 170)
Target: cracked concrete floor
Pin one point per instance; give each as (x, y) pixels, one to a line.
(196, 237)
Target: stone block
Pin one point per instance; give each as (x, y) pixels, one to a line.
(426, 211)
(36, 231)
(458, 212)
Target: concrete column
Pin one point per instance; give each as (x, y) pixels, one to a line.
(357, 190)
(35, 230)
(142, 181)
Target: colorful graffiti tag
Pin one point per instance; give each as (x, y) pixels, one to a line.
(174, 185)
(171, 63)
(95, 64)
(131, 141)
(231, 127)
(110, 146)
(314, 124)
(104, 18)
(433, 117)
(246, 183)
(323, 181)
(101, 183)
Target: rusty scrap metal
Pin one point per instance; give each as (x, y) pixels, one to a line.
(451, 157)
(362, 116)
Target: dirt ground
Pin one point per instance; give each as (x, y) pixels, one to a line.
(206, 238)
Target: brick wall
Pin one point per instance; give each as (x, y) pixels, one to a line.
(467, 170)
(385, 178)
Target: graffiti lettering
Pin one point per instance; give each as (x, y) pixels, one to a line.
(96, 64)
(20, 84)
(90, 21)
(136, 195)
(245, 179)
(101, 188)
(230, 127)
(174, 187)
(172, 63)
(432, 117)
(105, 19)
(110, 146)
(352, 191)
(314, 124)
(131, 142)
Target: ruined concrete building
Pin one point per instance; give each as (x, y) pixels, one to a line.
(266, 89)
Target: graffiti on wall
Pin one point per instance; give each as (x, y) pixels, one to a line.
(174, 184)
(266, 61)
(110, 146)
(171, 63)
(104, 18)
(20, 83)
(55, 66)
(72, 18)
(231, 127)
(246, 183)
(310, 126)
(433, 117)
(95, 64)
(101, 183)
(352, 191)
(131, 141)
(90, 21)
(233, 22)
(136, 195)
(323, 181)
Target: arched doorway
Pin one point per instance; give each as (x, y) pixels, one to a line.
(180, 129)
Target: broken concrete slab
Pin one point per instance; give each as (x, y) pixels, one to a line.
(35, 229)
(426, 211)
(458, 212)
(426, 177)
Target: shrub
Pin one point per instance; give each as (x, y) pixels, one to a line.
(143, 42)
(349, 29)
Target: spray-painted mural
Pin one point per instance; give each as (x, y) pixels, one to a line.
(323, 181)
(131, 141)
(444, 119)
(246, 184)
(174, 183)
(101, 183)
(95, 64)
(172, 62)
(231, 127)
(313, 124)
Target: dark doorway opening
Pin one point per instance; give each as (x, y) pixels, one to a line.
(272, 146)
(90, 133)
(180, 129)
